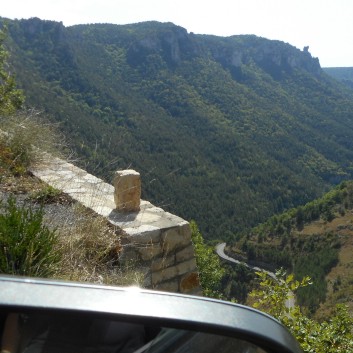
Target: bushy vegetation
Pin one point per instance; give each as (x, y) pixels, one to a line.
(24, 134)
(85, 250)
(46, 194)
(208, 264)
(26, 137)
(237, 282)
(11, 98)
(277, 297)
(27, 246)
(332, 336)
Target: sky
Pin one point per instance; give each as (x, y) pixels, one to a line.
(326, 26)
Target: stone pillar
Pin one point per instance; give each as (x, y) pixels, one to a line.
(127, 194)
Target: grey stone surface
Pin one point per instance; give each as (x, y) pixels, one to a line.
(144, 234)
(185, 254)
(149, 252)
(164, 262)
(174, 239)
(164, 275)
(186, 266)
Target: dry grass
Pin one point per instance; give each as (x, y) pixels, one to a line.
(90, 249)
(321, 226)
(21, 184)
(24, 139)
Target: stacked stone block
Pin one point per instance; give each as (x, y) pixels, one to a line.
(166, 255)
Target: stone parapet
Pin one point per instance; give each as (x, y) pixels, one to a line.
(167, 252)
(157, 242)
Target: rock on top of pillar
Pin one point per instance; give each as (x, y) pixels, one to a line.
(127, 190)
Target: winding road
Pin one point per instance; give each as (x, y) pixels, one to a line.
(290, 302)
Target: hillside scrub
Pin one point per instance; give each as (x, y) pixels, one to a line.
(25, 140)
(208, 264)
(336, 201)
(334, 335)
(11, 98)
(27, 246)
(279, 242)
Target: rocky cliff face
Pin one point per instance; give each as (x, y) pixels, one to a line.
(272, 56)
(276, 56)
(174, 44)
(38, 30)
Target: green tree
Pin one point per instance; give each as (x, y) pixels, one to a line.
(208, 264)
(11, 99)
(332, 336)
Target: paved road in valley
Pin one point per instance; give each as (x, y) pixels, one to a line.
(220, 252)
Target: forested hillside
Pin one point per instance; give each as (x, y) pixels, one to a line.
(343, 74)
(225, 131)
(315, 239)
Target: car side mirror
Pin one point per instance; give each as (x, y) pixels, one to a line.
(47, 316)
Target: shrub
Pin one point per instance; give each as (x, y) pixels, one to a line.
(47, 194)
(27, 247)
(25, 138)
(208, 264)
(332, 336)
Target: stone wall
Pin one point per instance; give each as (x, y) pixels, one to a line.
(164, 252)
(158, 242)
